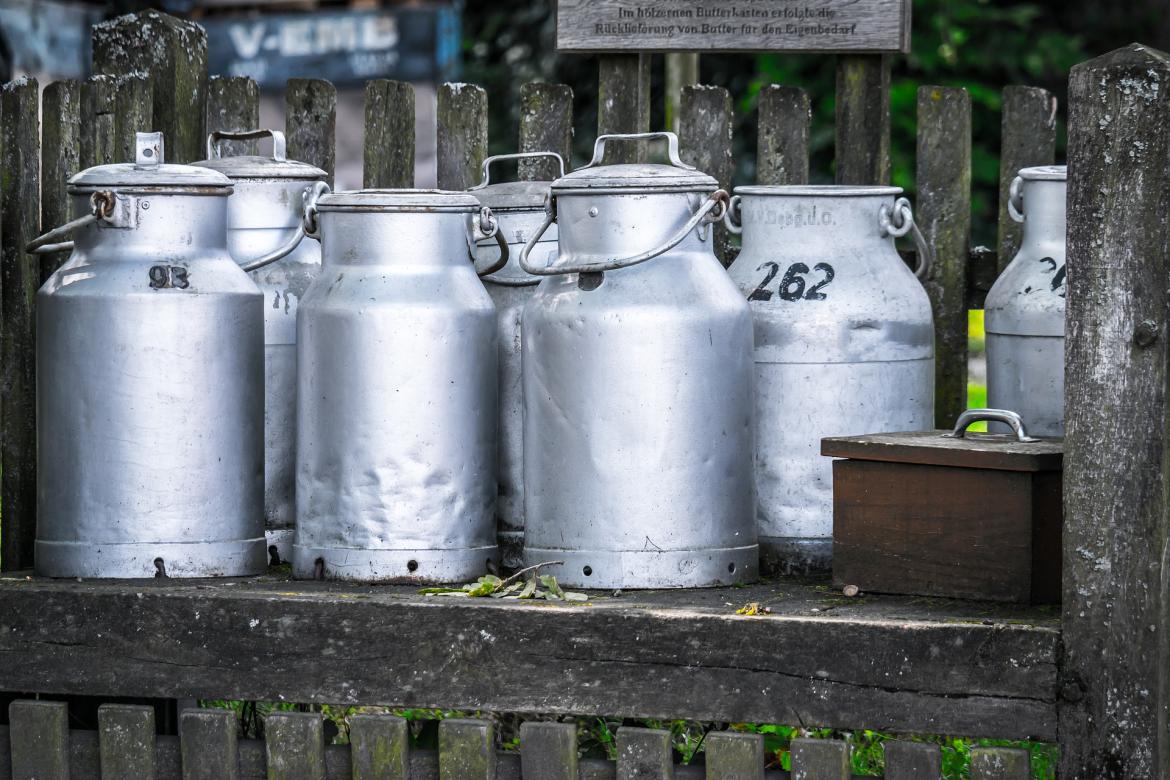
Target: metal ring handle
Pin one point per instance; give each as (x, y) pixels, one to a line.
(309, 197)
(717, 198)
(967, 418)
(899, 221)
(278, 143)
(487, 226)
(101, 206)
(671, 147)
(486, 180)
(733, 217)
(1015, 202)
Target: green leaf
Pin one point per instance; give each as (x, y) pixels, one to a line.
(571, 596)
(529, 590)
(550, 583)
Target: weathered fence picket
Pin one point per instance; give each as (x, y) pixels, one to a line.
(546, 125)
(732, 756)
(233, 105)
(623, 102)
(467, 750)
(126, 738)
(132, 113)
(38, 733)
(863, 119)
(98, 136)
(548, 751)
(1027, 138)
(310, 121)
(379, 747)
(943, 213)
(294, 745)
(820, 759)
(388, 153)
(912, 760)
(60, 158)
(705, 127)
(462, 135)
(210, 749)
(1117, 364)
(782, 138)
(644, 754)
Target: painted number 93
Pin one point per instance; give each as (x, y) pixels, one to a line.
(794, 284)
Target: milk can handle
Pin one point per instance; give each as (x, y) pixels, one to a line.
(486, 180)
(718, 198)
(488, 226)
(993, 415)
(101, 207)
(899, 221)
(733, 218)
(671, 147)
(278, 144)
(1016, 200)
(309, 196)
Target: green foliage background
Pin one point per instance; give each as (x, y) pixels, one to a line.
(978, 44)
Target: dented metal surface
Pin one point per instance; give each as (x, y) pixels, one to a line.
(149, 379)
(1024, 312)
(264, 214)
(396, 396)
(638, 392)
(844, 344)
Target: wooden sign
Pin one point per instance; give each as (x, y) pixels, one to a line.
(733, 25)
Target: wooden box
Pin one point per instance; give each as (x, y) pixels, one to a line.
(924, 514)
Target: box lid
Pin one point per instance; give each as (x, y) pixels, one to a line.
(1014, 451)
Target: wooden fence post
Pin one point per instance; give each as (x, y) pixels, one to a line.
(548, 751)
(467, 750)
(1113, 693)
(310, 120)
(546, 125)
(132, 113)
(61, 158)
(644, 754)
(463, 135)
(20, 277)
(733, 756)
(126, 734)
(1027, 137)
(705, 126)
(233, 104)
(863, 119)
(98, 138)
(379, 745)
(294, 744)
(209, 747)
(682, 70)
(174, 54)
(943, 213)
(38, 732)
(388, 154)
(782, 135)
(623, 102)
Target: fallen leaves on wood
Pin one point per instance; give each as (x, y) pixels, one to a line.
(524, 584)
(753, 608)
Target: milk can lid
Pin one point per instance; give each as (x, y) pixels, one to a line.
(514, 195)
(398, 200)
(148, 170)
(1044, 173)
(636, 177)
(253, 166)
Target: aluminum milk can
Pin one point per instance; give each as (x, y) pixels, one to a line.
(520, 208)
(844, 345)
(396, 392)
(637, 385)
(150, 382)
(1024, 311)
(264, 225)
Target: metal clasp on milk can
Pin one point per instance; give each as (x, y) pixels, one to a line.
(396, 392)
(265, 225)
(520, 208)
(150, 382)
(1024, 311)
(844, 345)
(637, 378)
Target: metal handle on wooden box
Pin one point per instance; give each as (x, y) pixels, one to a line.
(971, 416)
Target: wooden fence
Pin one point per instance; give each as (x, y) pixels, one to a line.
(1097, 678)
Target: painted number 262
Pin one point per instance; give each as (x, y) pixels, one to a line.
(793, 283)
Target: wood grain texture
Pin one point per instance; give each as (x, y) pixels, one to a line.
(1000, 763)
(174, 54)
(60, 159)
(132, 114)
(648, 655)
(943, 214)
(912, 760)
(730, 25)
(388, 157)
(681, 70)
(1117, 577)
(1027, 138)
(233, 105)
(463, 135)
(975, 450)
(466, 750)
(705, 127)
(733, 756)
(310, 120)
(39, 735)
(623, 103)
(380, 747)
(98, 137)
(209, 745)
(644, 754)
(785, 116)
(126, 738)
(294, 745)
(863, 119)
(548, 751)
(20, 277)
(820, 759)
(546, 125)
